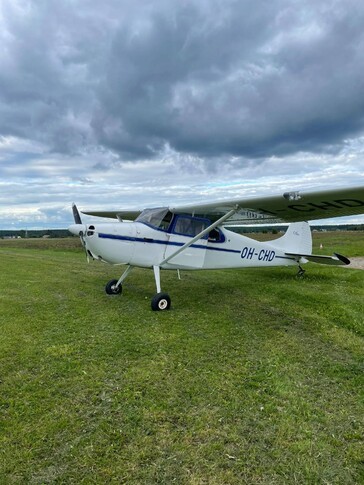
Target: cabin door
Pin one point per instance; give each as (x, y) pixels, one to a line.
(184, 228)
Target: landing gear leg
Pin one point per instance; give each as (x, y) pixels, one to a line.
(301, 272)
(160, 301)
(114, 287)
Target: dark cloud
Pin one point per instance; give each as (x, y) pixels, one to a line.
(207, 78)
(257, 80)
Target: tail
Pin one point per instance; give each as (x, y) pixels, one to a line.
(297, 239)
(297, 242)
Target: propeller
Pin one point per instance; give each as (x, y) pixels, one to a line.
(79, 229)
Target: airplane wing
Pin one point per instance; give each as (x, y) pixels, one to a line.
(292, 206)
(129, 215)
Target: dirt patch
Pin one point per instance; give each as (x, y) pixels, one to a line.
(356, 263)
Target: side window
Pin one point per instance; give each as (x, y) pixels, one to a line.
(215, 235)
(190, 226)
(166, 221)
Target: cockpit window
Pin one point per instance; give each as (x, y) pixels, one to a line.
(159, 218)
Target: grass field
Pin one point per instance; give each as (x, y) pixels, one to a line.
(253, 376)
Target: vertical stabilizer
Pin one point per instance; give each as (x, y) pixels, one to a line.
(297, 239)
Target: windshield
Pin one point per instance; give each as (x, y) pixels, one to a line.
(159, 217)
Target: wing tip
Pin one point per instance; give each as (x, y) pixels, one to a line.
(342, 258)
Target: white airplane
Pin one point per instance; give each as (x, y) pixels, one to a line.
(192, 237)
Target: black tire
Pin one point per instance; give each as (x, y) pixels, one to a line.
(111, 289)
(161, 302)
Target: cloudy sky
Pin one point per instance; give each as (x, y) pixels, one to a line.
(130, 103)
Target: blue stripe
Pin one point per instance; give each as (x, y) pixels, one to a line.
(158, 241)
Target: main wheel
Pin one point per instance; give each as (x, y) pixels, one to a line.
(111, 289)
(160, 302)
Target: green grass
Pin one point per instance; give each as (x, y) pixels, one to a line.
(254, 376)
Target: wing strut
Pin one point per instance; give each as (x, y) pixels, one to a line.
(201, 234)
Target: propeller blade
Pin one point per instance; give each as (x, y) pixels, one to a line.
(76, 214)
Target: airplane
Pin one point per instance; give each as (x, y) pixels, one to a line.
(197, 236)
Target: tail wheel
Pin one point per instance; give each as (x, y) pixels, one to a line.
(112, 289)
(161, 302)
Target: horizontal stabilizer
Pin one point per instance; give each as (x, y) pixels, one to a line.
(336, 259)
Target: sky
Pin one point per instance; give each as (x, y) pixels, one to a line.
(125, 104)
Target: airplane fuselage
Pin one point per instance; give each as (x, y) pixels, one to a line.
(138, 244)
